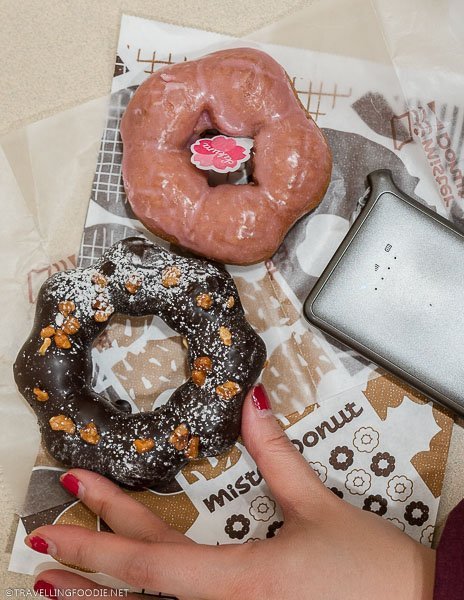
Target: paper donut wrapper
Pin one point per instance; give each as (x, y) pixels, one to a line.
(370, 438)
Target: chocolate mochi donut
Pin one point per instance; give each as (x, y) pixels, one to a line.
(53, 370)
(241, 92)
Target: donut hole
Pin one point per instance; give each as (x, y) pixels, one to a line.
(140, 356)
(242, 176)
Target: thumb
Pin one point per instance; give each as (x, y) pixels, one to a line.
(286, 472)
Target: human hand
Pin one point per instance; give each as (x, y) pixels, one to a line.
(326, 549)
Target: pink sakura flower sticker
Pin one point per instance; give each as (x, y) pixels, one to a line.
(221, 154)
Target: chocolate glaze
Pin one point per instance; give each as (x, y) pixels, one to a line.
(65, 374)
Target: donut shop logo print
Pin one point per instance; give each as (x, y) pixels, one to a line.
(221, 153)
(436, 138)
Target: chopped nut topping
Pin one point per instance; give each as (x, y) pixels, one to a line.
(103, 315)
(193, 447)
(100, 281)
(71, 325)
(185, 343)
(143, 445)
(225, 335)
(203, 363)
(100, 302)
(45, 346)
(62, 423)
(66, 307)
(228, 390)
(198, 377)
(230, 302)
(171, 276)
(179, 437)
(90, 434)
(133, 283)
(47, 331)
(204, 301)
(41, 395)
(62, 340)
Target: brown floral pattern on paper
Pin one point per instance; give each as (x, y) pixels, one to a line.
(262, 508)
(426, 537)
(366, 439)
(397, 523)
(237, 527)
(273, 529)
(383, 464)
(320, 469)
(336, 491)
(416, 513)
(341, 458)
(375, 504)
(399, 488)
(358, 482)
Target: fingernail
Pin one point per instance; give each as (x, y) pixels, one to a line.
(39, 544)
(261, 400)
(72, 484)
(43, 588)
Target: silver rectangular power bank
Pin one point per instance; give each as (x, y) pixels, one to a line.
(394, 292)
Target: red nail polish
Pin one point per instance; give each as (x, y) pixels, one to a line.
(260, 398)
(38, 544)
(70, 483)
(43, 588)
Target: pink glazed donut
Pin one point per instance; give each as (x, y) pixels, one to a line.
(240, 92)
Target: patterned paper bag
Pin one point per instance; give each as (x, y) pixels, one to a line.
(369, 438)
